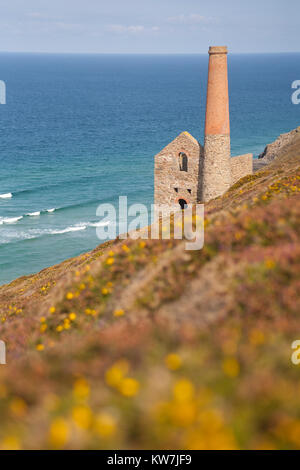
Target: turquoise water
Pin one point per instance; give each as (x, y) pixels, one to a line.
(78, 130)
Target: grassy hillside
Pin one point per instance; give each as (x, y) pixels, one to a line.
(141, 344)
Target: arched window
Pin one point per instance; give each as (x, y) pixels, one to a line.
(183, 162)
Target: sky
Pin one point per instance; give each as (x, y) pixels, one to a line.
(149, 26)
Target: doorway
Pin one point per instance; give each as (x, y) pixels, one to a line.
(182, 203)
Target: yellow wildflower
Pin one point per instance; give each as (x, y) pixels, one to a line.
(40, 347)
(10, 443)
(270, 264)
(82, 416)
(52, 310)
(70, 296)
(105, 425)
(59, 433)
(67, 325)
(185, 414)
(72, 316)
(129, 387)
(183, 390)
(173, 361)
(110, 261)
(116, 373)
(81, 389)
(119, 312)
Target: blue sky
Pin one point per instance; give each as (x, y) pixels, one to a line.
(149, 26)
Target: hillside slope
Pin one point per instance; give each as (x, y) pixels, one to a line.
(145, 345)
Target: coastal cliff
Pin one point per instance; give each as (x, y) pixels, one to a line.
(275, 149)
(141, 344)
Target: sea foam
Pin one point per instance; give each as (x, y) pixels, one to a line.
(98, 224)
(68, 229)
(9, 220)
(34, 214)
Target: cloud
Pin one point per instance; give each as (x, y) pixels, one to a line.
(192, 19)
(134, 29)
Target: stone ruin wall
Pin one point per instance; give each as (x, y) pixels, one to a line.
(241, 166)
(168, 176)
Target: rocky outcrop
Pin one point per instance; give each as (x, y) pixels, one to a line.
(273, 150)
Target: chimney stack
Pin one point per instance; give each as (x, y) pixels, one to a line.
(216, 165)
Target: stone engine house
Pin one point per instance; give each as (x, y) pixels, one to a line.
(188, 173)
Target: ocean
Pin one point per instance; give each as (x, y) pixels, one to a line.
(80, 130)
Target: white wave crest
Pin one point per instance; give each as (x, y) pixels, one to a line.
(68, 229)
(9, 220)
(51, 210)
(34, 214)
(6, 196)
(98, 224)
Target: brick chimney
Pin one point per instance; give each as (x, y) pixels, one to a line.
(216, 165)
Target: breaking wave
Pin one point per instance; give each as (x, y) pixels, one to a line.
(34, 214)
(10, 220)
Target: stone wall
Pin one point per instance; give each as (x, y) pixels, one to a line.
(241, 166)
(170, 183)
(216, 169)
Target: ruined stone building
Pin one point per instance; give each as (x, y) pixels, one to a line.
(187, 172)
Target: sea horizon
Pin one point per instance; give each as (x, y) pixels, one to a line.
(144, 53)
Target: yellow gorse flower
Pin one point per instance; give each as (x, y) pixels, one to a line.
(105, 425)
(183, 390)
(10, 443)
(81, 389)
(173, 361)
(119, 312)
(116, 373)
(82, 416)
(59, 433)
(129, 387)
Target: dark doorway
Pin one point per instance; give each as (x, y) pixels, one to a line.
(182, 203)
